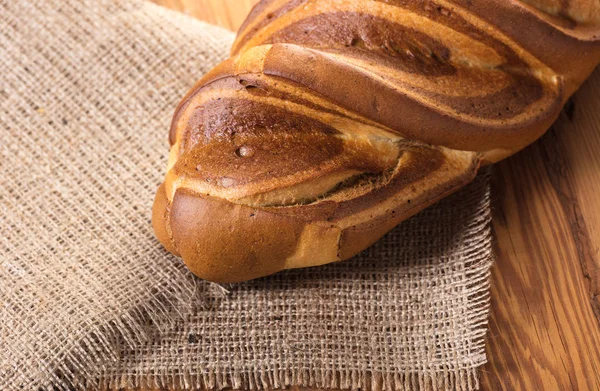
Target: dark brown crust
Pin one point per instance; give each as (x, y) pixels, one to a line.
(536, 31)
(556, 47)
(338, 82)
(221, 71)
(419, 163)
(358, 238)
(225, 242)
(245, 34)
(322, 89)
(570, 54)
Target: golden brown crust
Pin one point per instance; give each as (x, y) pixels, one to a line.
(161, 215)
(223, 241)
(335, 120)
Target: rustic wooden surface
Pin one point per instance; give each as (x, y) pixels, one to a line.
(544, 326)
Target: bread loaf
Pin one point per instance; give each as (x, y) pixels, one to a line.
(334, 120)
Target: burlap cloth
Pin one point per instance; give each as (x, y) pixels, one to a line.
(89, 299)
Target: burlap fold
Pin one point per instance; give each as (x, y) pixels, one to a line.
(89, 299)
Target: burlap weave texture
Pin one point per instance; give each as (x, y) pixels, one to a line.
(89, 299)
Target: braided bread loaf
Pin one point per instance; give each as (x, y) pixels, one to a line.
(334, 120)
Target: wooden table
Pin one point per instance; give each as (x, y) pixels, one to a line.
(544, 326)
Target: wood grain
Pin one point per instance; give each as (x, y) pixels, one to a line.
(543, 333)
(546, 282)
(226, 13)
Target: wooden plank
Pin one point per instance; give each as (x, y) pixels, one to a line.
(543, 333)
(226, 13)
(546, 282)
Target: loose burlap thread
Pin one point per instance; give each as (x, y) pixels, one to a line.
(90, 300)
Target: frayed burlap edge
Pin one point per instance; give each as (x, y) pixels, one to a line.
(458, 380)
(133, 328)
(73, 365)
